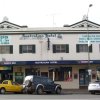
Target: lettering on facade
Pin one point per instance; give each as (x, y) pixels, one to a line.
(93, 38)
(40, 36)
(9, 62)
(46, 62)
(4, 39)
(85, 62)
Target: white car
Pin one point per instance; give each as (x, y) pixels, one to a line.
(94, 87)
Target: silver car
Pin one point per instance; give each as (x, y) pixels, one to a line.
(94, 87)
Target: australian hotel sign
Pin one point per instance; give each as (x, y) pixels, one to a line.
(40, 36)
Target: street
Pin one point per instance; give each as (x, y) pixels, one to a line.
(48, 97)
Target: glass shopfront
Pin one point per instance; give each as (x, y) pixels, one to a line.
(61, 73)
(98, 73)
(32, 71)
(6, 72)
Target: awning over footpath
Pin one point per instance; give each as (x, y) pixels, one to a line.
(48, 62)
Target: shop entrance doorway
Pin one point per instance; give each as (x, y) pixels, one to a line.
(83, 77)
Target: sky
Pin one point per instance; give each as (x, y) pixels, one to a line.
(49, 13)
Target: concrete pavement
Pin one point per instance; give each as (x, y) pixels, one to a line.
(75, 91)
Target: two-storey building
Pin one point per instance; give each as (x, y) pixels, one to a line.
(63, 54)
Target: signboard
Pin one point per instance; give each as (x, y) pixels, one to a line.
(93, 38)
(5, 68)
(5, 39)
(40, 36)
(55, 62)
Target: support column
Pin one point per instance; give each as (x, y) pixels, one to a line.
(53, 75)
(89, 72)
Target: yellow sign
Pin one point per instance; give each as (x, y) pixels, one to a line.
(5, 68)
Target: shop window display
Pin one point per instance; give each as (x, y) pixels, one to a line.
(62, 73)
(98, 74)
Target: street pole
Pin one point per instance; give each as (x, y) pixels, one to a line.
(89, 70)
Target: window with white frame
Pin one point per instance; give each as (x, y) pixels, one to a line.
(27, 48)
(6, 49)
(60, 48)
(83, 48)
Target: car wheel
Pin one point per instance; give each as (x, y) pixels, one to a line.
(58, 90)
(39, 90)
(3, 91)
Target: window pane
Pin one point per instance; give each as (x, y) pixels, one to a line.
(60, 48)
(57, 48)
(27, 49)
(83, 48)
(5, 82)
(5, 49)
(63, 48)
(24, 48)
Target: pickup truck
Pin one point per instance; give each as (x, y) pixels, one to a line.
(10, 86)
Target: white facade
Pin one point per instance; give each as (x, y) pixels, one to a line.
(42, 53)
(43, 58)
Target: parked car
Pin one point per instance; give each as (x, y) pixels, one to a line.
(10, 86)
(94, 87)
(40, 84)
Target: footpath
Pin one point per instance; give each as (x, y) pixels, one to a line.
(75, 91)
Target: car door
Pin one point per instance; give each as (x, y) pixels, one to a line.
(7, 85)
(16, 87)
(49, 84)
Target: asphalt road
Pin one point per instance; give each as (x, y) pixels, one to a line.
(50, 97)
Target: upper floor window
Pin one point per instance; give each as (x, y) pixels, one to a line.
(6, 49)
(83, 48)
(60, 48)
(27, 48)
